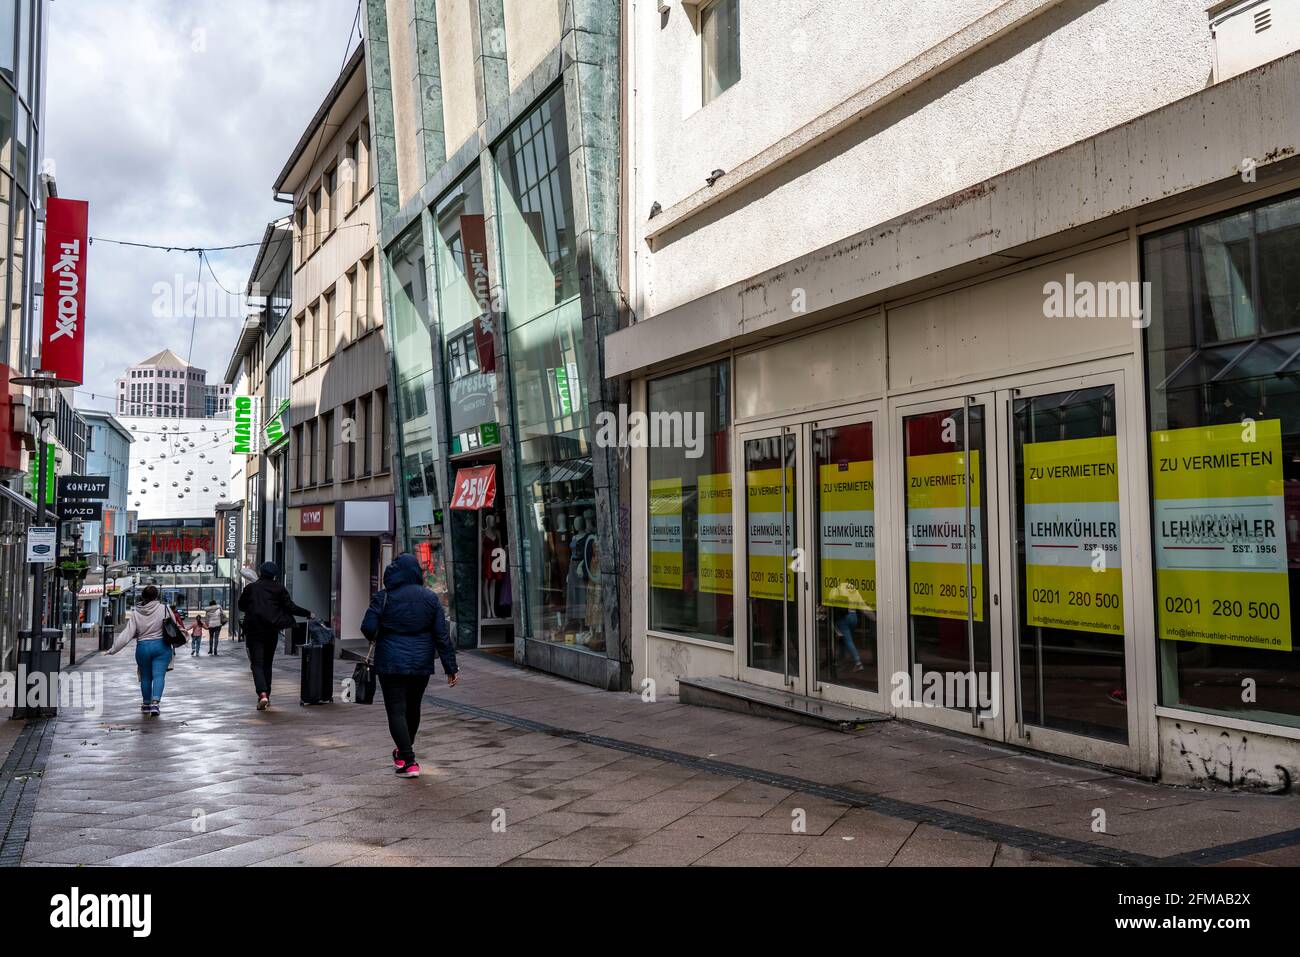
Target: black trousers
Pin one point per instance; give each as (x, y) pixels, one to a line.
(213, 634)
(261, 654)
(402, 696)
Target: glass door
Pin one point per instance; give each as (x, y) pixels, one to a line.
(772, 567)
(809, 553)
(1070, 662)
(845, 634)
(953, 630)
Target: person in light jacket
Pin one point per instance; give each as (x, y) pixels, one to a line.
(152, 654)
(214, 619)
(407, 627)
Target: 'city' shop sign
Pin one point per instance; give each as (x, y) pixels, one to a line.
(63, 310)
(245, 425)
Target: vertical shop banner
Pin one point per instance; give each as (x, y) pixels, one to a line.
(1220, 536)
(63, 310)
(770, 535)
(848, 535)
(1073, 574)
(938, 538)
(666, 533)
(715, 533)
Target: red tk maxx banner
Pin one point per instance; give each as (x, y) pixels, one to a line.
(63, 317)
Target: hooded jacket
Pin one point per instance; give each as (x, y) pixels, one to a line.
(267, 606)
(407, 623)
(145, 624)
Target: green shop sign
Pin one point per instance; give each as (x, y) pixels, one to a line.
(486, 436)
(34, 476)
(276, 427)
(245, 425)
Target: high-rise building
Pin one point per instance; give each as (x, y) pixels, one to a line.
(23, 190)
(166, 386)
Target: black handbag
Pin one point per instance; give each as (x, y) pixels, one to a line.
(363, 683)
(173, 634)
(364, 678)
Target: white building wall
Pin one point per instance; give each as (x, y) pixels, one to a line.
(1070, 71)
(180, 468)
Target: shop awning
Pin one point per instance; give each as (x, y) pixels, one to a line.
(475, 488)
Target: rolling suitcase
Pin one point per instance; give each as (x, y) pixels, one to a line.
(317, 673)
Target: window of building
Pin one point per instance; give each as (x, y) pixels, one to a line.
(353, 154)
(370, 313)
(364, 435)
(381, 403)
(301, 219)
(327, 327)
(331, 196)
(313, 436)
(327, 446)
(563, 587)
(296, 451)
(464, 306)
(350, 455)
(355, 328)
(690, 506)
(720, 36)
(412, 352)
(1223, 371)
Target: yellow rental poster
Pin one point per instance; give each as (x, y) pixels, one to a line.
(666, 533)
(848, 535)
(770, 533)
(1073, 574)
(1220, 535)
(938, 537)
(715, 533)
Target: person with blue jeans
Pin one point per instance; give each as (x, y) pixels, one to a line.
(152, 653)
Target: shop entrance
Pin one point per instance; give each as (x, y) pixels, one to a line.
(811, 622)
(479, 517)
(960, 560)
(1014, 549)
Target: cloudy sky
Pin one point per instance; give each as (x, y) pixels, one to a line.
(173, 118)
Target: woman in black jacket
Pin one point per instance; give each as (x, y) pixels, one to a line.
(406, 627)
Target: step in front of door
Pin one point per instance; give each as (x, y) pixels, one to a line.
(729, 694)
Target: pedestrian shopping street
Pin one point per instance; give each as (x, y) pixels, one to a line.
(525, 769)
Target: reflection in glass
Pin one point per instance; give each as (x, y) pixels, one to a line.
(1223, 380)
(690, 507)
(464, 306)
(564, 580)
(944, 552)
(846, 556)
(413, 366)
(1068, 554)
(771, 530)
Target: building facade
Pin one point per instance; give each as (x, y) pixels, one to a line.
(1011, 405)
(260, 375)
(340, 515)
(496, 139)
(166, 386)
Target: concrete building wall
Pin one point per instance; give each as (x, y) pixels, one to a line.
(532, 30)
(953, 108)
(456, 57)
(410, 172)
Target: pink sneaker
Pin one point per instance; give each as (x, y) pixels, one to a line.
(397, 761)
(408, 769)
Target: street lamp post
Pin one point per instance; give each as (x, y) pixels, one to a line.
(43, 412)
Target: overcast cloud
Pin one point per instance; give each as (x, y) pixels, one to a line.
(173, 119)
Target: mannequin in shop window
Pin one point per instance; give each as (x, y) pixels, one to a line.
(591, 561)
(575, 593)
(494, 567)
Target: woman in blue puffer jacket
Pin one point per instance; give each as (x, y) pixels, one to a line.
(406, 626)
